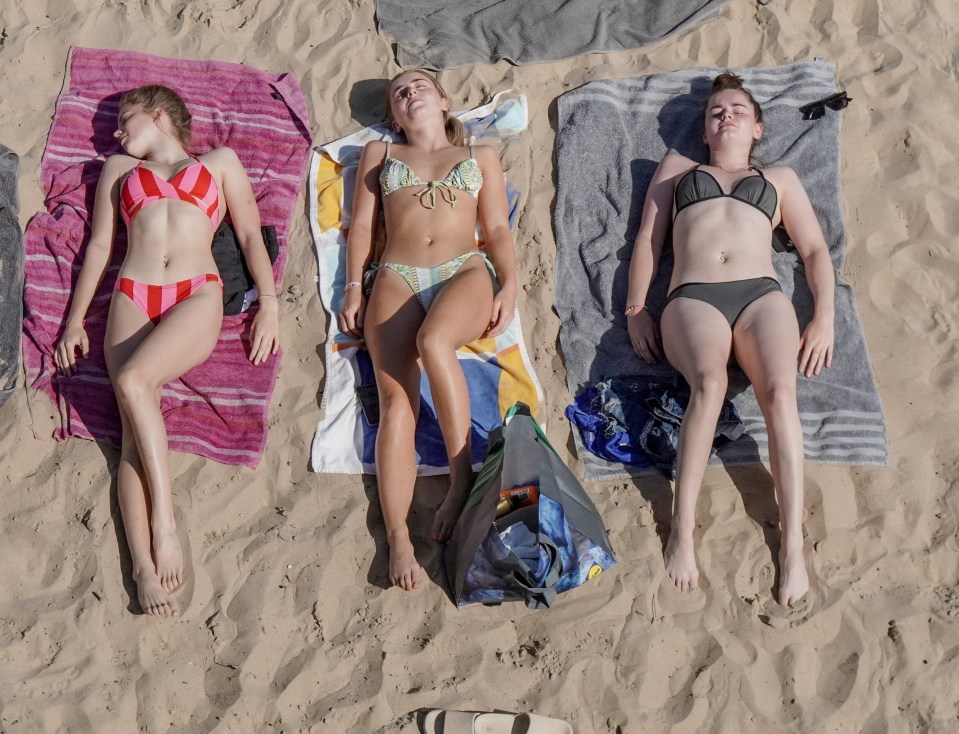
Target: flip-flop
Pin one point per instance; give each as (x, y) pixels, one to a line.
(441, 721)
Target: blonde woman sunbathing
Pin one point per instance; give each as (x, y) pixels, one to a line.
(431, 292)
(725, 302)
(167, 305)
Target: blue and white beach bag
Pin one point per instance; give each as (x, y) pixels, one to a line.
(533, 552)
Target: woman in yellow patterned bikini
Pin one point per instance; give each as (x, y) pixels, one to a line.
(432, 292)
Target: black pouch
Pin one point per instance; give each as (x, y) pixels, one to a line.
(781, 241)
(232, 266)
(370, 403)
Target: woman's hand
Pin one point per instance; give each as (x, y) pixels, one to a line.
(504, 307)
(644, 335)
(815, 346)
(264, 334)
(65, 355)
(352, 312)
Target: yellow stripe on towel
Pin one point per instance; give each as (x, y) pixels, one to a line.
(329, 194)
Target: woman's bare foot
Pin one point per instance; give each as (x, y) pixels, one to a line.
(680, 560)
(449, 512)
(168, 557)
(404, 570)
(155, 601)
(793, 579)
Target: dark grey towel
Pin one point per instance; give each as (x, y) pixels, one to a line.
(441, 34)
(11, 274)
(611, 136)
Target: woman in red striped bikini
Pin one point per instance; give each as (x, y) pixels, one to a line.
(167, 305)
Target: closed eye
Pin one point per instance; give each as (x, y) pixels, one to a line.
(737, 109)
(405, 90)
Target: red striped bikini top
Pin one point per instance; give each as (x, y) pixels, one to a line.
(193, 184)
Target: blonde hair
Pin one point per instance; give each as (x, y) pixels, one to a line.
(453, 127)
(157, 97)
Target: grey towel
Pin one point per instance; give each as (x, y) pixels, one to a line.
(11, 274)
(441, 34)
(611, 136)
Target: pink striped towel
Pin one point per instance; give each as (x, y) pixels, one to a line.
(219, 409)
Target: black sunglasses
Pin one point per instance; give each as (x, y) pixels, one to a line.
(815, 110)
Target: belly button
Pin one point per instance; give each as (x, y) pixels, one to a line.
(722, 257)
(429, 240)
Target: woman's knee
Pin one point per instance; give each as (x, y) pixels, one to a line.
(777, 395)
(433, 344)
(132, 385)
(396, 407)
(708, 385)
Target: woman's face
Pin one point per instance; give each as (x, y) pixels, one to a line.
(134, 128)
(413, 94)
(730, 117)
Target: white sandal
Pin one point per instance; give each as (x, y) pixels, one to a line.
(442, 721)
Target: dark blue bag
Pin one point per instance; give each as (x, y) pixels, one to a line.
(636, 421)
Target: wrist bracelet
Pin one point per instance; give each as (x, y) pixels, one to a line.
(352, 284)
(637, 307)
(268, 295)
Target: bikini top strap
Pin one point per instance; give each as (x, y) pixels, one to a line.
(472, 154)
(387, 150)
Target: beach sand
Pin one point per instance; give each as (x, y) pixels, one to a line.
(288, 622)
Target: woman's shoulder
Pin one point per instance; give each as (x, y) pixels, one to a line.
(377, 147)
(482, 149)
(674, 160)
(120, 162)
(223, 162)
(674, 164)
(117, 166)
(781, 176)
(374, 152)
(222, 155)
(484, 152)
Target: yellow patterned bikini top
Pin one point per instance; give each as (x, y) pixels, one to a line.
(465, 176)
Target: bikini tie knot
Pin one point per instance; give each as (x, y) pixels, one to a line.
(428, 194)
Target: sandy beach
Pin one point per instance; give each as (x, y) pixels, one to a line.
(289, 623)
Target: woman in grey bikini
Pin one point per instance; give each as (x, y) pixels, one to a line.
(724, 301)
(431, 293)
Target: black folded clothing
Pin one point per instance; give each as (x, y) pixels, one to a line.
(232, 265)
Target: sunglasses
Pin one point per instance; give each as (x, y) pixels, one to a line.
(815, 110)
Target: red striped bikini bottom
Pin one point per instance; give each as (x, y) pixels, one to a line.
(156, 300)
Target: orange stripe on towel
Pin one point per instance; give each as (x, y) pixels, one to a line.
(340, 346)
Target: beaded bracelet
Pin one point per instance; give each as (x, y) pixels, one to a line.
(637, 307)
(352, 284)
